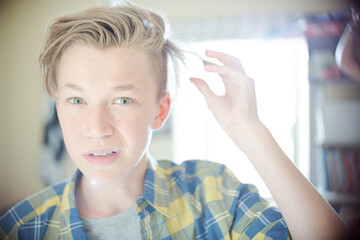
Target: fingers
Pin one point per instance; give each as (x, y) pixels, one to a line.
(225, 59)
(207, 63)
(225, 71)
(203, 88)
(231, 72)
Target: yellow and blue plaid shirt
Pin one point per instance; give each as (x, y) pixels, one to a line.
(194, 200)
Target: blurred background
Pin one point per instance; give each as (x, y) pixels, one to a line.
(287, 46)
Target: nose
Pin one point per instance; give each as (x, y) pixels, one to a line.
(99, 123)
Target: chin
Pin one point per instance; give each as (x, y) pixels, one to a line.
(104, 177)
(111, 174)
(101, 181)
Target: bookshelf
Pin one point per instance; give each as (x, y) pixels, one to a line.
(335, 142)
(334, 116)
(339, 199)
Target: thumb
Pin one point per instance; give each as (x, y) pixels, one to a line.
(203, 88)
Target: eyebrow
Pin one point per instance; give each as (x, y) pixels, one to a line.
(116, 88)
(124, 87)
(71, 86)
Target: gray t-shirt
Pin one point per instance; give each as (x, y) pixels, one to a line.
(125, 225)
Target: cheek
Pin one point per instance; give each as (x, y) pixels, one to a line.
(136, 129)
(138, 120)
(70, 127)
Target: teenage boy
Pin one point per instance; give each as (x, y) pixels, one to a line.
(107, 69)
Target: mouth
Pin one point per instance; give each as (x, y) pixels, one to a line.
(102, 157)
(102, 154)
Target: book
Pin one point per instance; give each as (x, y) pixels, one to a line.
(342, 170)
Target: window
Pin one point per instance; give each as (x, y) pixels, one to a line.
(279, 68)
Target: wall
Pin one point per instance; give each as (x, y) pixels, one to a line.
(248, 8)
(204, 19)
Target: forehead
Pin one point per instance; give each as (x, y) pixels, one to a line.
(83, 63)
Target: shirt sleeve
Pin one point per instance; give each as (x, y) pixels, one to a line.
(253, 218)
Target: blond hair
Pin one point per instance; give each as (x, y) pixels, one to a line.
(127, 26)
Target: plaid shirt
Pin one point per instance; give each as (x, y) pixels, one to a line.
(194, 200)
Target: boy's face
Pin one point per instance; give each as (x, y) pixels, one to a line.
(107, 106)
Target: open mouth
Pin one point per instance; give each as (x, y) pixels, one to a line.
(102, 157)
(102, 154)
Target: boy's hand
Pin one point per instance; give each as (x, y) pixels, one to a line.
(312, 218)
(236, 111)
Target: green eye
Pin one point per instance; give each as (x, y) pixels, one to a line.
(76, 100)
(124, 100)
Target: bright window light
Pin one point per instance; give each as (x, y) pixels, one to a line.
(276, 66)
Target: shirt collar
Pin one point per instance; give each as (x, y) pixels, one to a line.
(156, 187)
(68, 197)
(70, 216)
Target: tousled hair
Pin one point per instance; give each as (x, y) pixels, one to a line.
(126, 26)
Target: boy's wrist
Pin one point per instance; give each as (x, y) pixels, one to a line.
(249, 137)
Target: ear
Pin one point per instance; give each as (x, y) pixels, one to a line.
(162, 112)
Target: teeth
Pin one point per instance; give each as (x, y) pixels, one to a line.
(102, 154)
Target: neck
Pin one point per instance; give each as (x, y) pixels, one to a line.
(100, 201)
